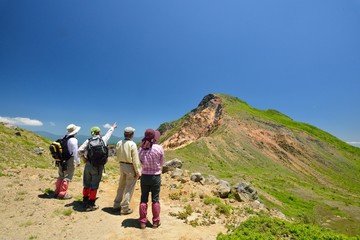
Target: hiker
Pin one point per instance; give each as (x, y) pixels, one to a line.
(130, 170)
(93, 168)
(67, 168)
(152, 158)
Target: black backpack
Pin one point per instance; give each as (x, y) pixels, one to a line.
(97, 151)
(59, 150)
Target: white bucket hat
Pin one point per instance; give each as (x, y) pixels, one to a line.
(72, 129)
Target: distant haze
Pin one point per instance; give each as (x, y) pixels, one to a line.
(81, 138)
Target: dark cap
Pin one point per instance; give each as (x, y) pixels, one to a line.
(157, 135)
(149, 134)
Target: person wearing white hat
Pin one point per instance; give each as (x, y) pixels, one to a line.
(66, 171)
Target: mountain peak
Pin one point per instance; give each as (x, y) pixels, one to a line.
(226, 137)
(210, 100)
(200, 122)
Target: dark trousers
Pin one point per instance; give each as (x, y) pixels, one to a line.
(150, 184)
(92, 176)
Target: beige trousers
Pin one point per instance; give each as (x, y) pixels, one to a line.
(126, 187)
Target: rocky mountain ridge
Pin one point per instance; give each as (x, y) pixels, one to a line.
(226, 137)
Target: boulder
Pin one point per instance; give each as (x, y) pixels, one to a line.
(171, 165)
(39, 150)
(211, 180)
(197, 177)
(244, 191)
(223, 191)
(177, 173)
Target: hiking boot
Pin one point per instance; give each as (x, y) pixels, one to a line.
(129, 211)
(142, 225)
(156, 225)
(116, 210)
(90, 208)
(85, 201)
(66, 197)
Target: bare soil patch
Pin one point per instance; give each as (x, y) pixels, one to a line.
(28, 213)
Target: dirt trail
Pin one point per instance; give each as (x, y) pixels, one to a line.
(26, 213)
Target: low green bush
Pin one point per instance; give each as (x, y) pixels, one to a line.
(273, 228)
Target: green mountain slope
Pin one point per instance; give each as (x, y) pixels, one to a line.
(20, 148)
(297, 168)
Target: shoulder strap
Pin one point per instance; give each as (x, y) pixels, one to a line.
(68, 137)
(102, 140)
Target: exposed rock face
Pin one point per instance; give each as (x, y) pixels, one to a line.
(200, 122)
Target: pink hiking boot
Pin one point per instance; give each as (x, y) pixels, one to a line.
(143, 212)
(156, 214)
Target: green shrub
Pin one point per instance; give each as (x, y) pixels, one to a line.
(175, 195)
(273, 228)
(221, 207)
(184, 214)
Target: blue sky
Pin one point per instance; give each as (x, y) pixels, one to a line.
(142, 63)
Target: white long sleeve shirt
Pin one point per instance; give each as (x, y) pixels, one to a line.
(73, 149)
(105, 138)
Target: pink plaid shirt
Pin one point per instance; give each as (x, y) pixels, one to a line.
(152, 159)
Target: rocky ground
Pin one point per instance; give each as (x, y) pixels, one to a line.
(27, 212)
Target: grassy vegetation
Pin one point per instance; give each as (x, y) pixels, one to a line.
(186, 213)
(273, 228)
(17, 149)
(221, 207)
(63, 212)
(340, 170)
(236, 107)
(328, 195)
(300, 196)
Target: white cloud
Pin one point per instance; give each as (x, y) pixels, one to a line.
(354, 143)
(107, 125)
(52, 124)
(21, 121)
